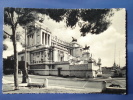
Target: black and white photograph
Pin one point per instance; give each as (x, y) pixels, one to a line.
(64, 51)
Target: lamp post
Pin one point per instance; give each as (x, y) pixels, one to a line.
(25, 72)
(25, 49)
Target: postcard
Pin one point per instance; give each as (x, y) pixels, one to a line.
(64, 51)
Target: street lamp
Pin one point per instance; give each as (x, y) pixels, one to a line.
(25, 49)
(25, 72)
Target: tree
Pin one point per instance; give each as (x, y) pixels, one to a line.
(13, 17)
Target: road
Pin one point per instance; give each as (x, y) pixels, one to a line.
(78, 84)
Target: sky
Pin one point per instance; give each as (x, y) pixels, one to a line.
(109, 45)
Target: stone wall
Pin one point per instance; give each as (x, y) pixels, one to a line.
(53, 72)
(39, 66)
(81, 70)
(39, 69)
(62, 66)
(42, 69)
(41, 72)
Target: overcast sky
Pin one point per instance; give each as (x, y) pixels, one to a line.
(101, 46)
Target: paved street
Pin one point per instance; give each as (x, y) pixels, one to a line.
(57, 84)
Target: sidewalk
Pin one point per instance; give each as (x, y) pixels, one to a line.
(61, 78)
(8, 88)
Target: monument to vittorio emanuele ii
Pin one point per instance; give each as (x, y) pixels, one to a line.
(49, 55)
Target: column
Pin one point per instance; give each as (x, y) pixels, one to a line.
(27, 40)
(31, 59)
(35, 38)
(34, 57)
(40, 57)
(58, 55)
(32, 39)
(45, 38)
(44, 53)
(53, 55)
(49, 54)
(49, 40)
(40, 37)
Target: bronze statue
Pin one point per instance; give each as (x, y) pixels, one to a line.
(74, 40)
(86, 47)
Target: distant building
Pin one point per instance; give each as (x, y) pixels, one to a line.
(106, 70)
(123, 70)
(114, 71)
(49, 55)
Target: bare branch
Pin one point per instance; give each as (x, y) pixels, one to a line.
(7, 33)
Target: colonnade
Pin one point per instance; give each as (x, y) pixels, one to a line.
(45, 39)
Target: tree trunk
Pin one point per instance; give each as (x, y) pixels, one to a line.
(15, 59)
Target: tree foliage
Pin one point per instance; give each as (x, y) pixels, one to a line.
(72, 18)
(97, 19)
(56, 14)
(93, 21)
(15, 16)
(4, 36)
(5, 47)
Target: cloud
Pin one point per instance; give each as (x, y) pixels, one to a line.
(106, 46)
